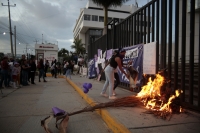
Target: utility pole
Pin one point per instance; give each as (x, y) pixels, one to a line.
(15, 40)
(26, 49)
(10, 25)
(42, 38)
(36, 41)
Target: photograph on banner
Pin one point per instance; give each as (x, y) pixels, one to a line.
(134, 54)
(101, 63)
(91, 69)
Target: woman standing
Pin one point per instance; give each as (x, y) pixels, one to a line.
(109, 73)
(69, 69)
(25, 69)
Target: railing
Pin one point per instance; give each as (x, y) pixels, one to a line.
(163, 21)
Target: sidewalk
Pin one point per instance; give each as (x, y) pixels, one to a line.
(133, 119)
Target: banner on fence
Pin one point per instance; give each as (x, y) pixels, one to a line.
(91, 69)
(149, 60)
(135, 54)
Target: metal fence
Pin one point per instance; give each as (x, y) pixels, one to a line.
(175, 26)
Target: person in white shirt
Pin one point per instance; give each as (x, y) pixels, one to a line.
(15, 73)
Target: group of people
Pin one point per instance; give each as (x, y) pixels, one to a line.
(18, 73)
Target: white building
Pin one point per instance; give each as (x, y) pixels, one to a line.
(90, 23)
(46, 52)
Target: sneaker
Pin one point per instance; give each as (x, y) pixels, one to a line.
(103, 94)
(112, 97)
(114, 94)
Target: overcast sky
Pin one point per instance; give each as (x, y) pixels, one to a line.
(55, 19)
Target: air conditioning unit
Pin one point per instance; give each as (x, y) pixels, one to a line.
(197, 5)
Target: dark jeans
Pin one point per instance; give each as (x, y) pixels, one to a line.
(117, 81)
(55, 73)
(24, 77)
(59, 71)
(32, 75)
(45, 71)
(4, 77)
(41, 74)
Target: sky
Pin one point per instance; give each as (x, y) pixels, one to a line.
(47, 21)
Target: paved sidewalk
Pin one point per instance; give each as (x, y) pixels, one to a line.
(21, 110)
(133, 119)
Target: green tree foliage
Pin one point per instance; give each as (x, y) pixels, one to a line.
(78, 46)
(1, 56)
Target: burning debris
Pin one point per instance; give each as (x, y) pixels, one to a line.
(158, 100)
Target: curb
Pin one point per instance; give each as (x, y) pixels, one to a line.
(112, 123)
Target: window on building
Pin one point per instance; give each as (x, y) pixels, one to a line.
(101, 19)
(87, 17)
(94, 18)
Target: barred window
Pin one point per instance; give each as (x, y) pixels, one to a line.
(94, 18)
(87, 17)
(101, 19)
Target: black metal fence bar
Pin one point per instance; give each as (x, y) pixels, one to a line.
(176, 44)
(170, 42)
(191, 71)
(157, 34)
(141, 27)
(145, 26)
(183, 48)
(137, 24)
(199, 67)
(148, 25)
(153, 22)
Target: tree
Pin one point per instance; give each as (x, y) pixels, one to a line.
(78, 46)
(106, 4)
(63, 53)
(1, 56)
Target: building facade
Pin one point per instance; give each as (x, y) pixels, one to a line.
(89, 26)
(46, 52)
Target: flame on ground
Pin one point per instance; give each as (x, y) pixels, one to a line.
(151, 95)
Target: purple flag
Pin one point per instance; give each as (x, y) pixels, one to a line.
(109, 54)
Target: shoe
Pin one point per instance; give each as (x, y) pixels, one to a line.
(112, 97)
(14, 86)
(39, 80)
(45, 81)
(103, 94)
(114, 94)
(33, 83)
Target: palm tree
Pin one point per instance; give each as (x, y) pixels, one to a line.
(63, 52)
(106, 4)
(78, 46)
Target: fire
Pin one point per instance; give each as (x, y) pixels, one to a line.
(152, 98)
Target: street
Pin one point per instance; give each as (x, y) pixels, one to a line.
(21, 110)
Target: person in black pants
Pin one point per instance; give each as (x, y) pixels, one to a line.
(46, 66)
(55, 69)
(41, 70)
(32, 70)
